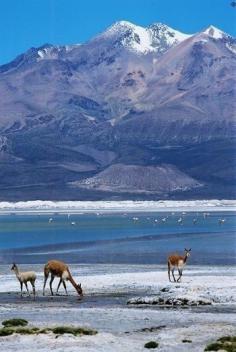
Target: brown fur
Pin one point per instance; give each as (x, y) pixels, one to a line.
(177, 261)
(175, 258)
(59, 269)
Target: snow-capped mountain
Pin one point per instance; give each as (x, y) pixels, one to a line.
(215, 33)
(155, 38)
(131, 96)
(225, 38)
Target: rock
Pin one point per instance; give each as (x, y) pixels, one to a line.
(169, 301)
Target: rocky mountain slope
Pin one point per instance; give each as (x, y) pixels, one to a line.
(141, 97)
(139, 179)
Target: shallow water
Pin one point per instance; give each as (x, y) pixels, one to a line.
(109, 292)
(116, 238)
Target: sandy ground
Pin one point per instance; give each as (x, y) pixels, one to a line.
(122, 327)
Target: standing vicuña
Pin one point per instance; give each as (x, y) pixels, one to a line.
(61, 270)
(177, 261)
(24, 277)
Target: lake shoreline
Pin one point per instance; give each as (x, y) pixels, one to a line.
(87, 207)
(122, 327)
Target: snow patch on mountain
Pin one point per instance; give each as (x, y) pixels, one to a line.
(49, 52)
(215, 33)
(154, 38)
(163, 32)
(135, 37)
(231, 47)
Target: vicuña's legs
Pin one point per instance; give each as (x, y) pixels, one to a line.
(27, 288)
(173, 274)
(21, 288)
(180, 274)
(33, 287)
(169, 271)
(50, 284)
(59, 284)
(45, 281)
(169, 275)
(64, 284)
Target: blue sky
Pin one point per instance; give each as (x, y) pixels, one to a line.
(27, 23)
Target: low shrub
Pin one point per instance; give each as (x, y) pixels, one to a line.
(18, 327)
(60, 330)
(225, 343)
(6, 331)
(151, 344)
(15, 322)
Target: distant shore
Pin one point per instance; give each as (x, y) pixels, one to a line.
(39, 206)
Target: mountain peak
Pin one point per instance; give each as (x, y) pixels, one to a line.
(130, 36)
(121, 27)
(155, 38)
(123, 23)
(173, 36)
(214, 32)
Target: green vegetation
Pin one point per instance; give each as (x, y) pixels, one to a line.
(60, 330)
(215, 346)
(27, 331)
(187, 341)
(227, 339)
(15, 322)
(6, 331)
(225, 343)
(151, 344)
(17, 326)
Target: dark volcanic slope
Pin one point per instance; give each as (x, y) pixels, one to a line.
(130, 96)
(139, 179)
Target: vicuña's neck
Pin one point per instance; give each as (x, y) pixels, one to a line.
(16, 271)
(72, 281)
(185, 258)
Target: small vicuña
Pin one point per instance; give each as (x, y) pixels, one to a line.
(176, 261)
(24, 277)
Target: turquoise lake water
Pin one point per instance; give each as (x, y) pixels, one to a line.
(134, 238)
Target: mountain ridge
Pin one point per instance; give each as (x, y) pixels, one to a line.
(68, 113)
(117, 25)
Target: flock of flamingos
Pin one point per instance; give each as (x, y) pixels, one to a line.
(59, 269)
